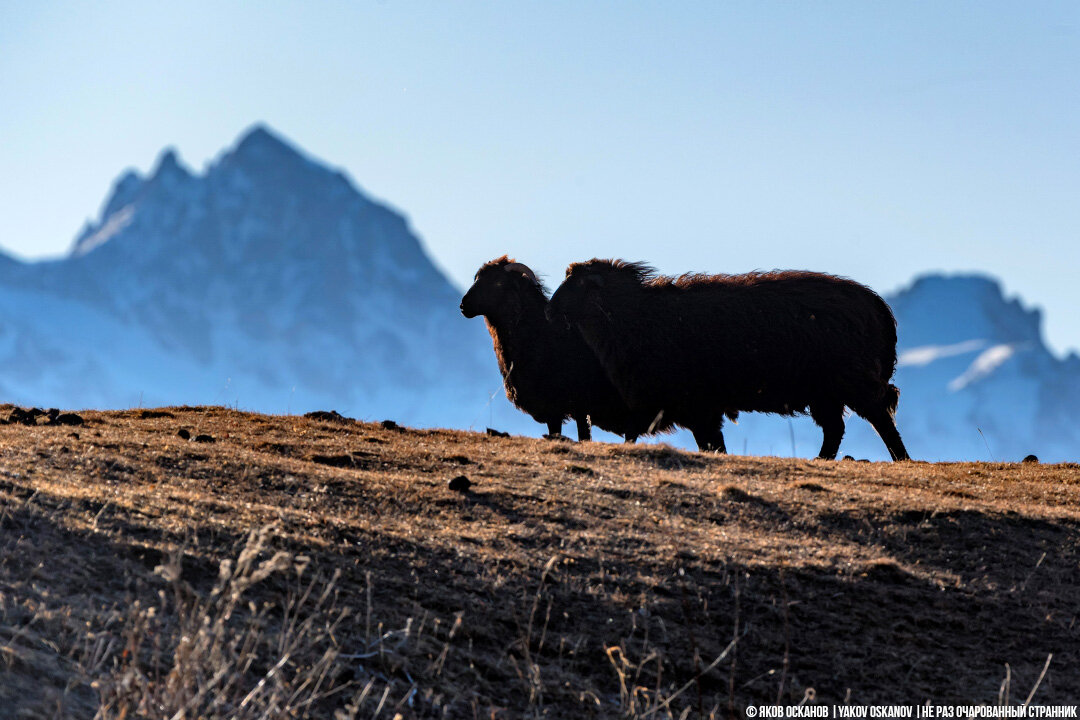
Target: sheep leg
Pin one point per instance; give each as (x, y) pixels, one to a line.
(630, 438)
(583, 432)
(555, 427)
(882, 420)
(710, 439)
(830, 418)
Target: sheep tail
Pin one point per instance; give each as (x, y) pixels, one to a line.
(887, 358)
(892, 398)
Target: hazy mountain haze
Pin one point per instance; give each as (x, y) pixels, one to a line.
(878, 141)
(269, 281)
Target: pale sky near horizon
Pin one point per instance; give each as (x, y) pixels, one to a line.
(873, 140)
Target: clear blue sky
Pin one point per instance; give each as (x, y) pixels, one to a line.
(872, 139)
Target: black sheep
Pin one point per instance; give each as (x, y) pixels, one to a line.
(548, 370)
(699, 347)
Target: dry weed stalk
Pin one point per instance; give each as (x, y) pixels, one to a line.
(220, 655)
(531, 674)
(638, 701)
(212, 656)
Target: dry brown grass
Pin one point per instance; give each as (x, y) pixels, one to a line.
(575, 580)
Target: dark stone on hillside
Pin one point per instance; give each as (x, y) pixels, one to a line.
(183, 434)
(887, 572)
(736, 494)
(557, 436)
(460, 484)
(341, 461)
(20, 416)
(37, 416)
(151, 414)
(811, 486)
(355, 459)
(329, 416)
(390, 425)
(1031, 459)
(204, 438)
(847, 457)
(497, 433)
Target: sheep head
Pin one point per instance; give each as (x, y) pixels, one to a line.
(499, 288)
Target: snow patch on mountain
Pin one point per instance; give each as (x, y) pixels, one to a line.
(96, 237)
(927, 354)
(982, 366)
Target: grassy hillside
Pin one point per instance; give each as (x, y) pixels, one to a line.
(299, 565)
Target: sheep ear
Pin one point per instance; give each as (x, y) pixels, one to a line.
(520, 268)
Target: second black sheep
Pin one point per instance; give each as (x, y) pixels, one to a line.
(701, 347)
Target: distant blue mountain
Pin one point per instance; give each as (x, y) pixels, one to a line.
(269, 282)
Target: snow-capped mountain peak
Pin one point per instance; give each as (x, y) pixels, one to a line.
(960, 308)
(975, 374)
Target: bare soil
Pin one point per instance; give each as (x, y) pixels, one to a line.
(568, 580)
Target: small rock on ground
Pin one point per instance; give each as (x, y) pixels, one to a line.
(329, 416)
(460, 484)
